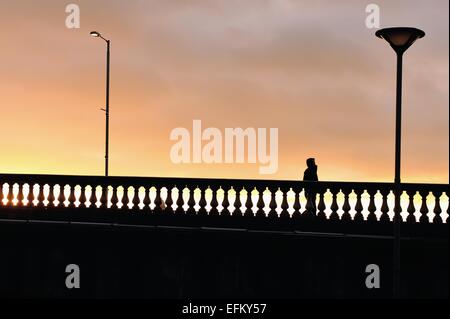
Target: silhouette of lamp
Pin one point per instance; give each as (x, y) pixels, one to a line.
(400, 40)
(96, 34)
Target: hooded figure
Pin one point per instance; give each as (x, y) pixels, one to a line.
(311, 176)
(311, 172)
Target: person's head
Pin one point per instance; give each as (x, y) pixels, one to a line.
(311, 162)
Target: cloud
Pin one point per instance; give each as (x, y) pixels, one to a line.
(310, 68)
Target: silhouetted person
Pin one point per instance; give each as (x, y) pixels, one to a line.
(310, 175)
(311, 172)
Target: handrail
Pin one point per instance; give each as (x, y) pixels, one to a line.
(113, 180)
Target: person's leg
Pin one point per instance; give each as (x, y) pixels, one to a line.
(310, 202)
(313, 201)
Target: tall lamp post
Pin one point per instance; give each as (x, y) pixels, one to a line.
(400, 40)
(106, 110)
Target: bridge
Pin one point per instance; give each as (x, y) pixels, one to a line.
(194, 237)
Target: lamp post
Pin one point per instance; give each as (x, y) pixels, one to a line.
(400, 40)
(106, 110)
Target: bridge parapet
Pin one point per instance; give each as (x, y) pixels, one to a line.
(283, 203)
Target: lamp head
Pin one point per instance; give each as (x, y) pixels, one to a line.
(400, 38)
(95, 34)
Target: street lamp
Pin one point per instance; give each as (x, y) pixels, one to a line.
(400, 40)
(96, 34)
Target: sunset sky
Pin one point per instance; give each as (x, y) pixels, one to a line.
(310, 68)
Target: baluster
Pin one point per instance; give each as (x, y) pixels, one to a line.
(214, 202)
(72, 197)
(358, 206)
(310, 207)
(346, 206)
(41, 196)
(51, 196)
(448, 206)
(30, 195)
(260, 204)
(191, 201)
(180, 202)
(169, 200)
(114, 198)
(20, 196)
(398, 206)
(437, 207)
(136, 200)
(158, 200)
(372, 208)
(273, 203)
(104, 197)
(321, 206)
(225, 202)
(297, 206)
(125, 198)
(334, 206)
(424, 209)
(384, 206)
(93, 199)
(1, 194)
(202, 202)
(10, 195)
(249, 204)
(82, 196)
(237, 203)
(61, 197)
(284, 204)
(146, 200)
(411, 219)
(4, 195)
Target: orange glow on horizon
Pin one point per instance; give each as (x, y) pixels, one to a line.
(331, 92)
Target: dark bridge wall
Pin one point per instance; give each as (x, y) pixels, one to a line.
(161, 263)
